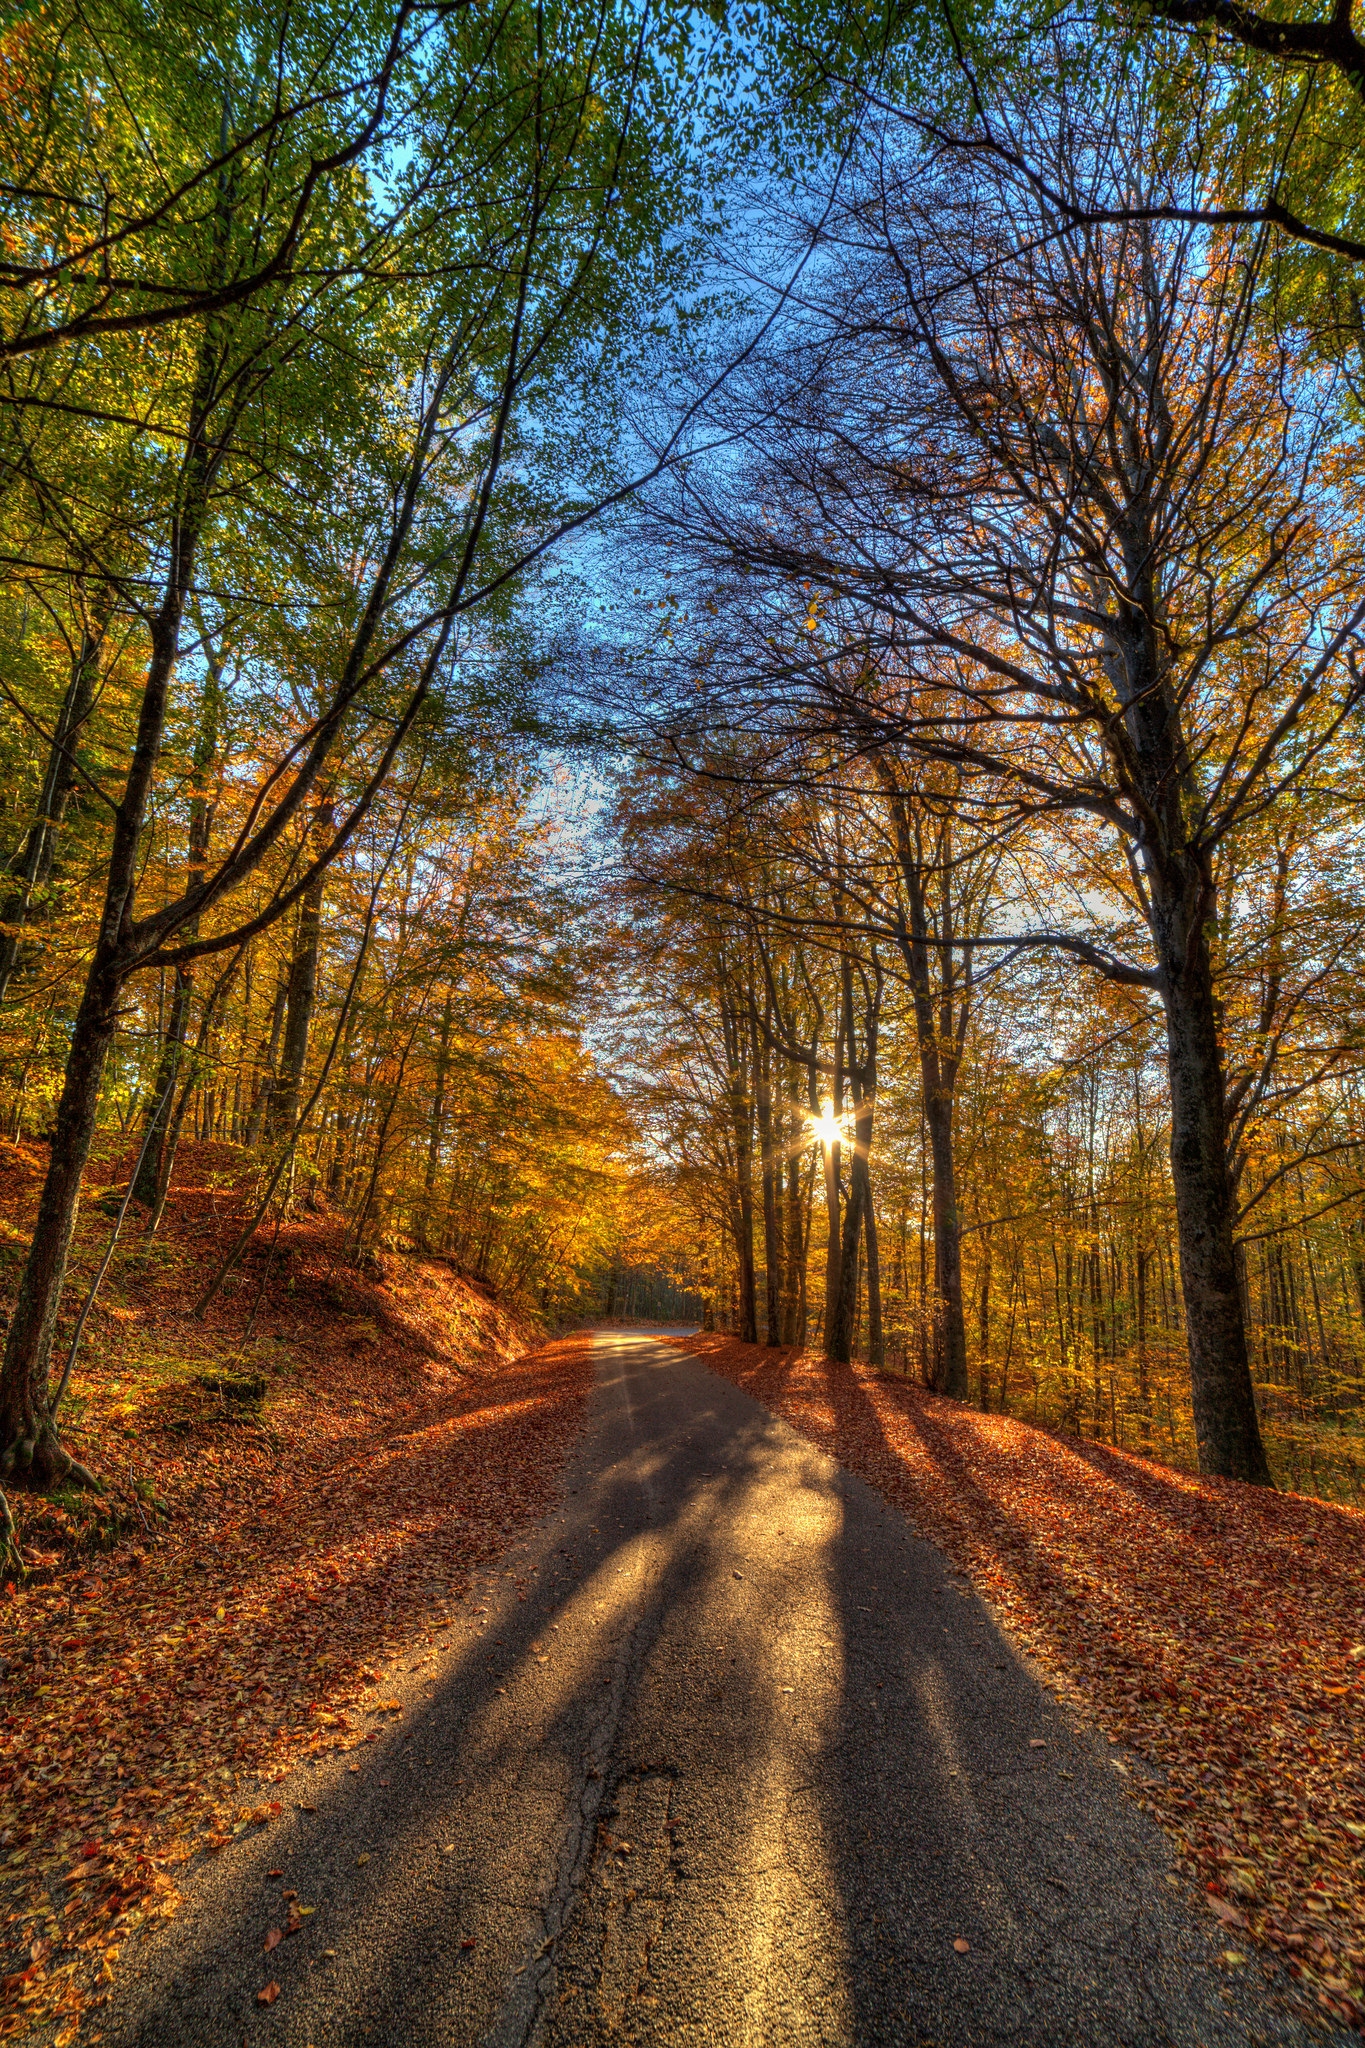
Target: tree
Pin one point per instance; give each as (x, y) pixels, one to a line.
(351, 469)
(1101, 520)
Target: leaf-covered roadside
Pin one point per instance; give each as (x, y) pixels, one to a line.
(1214, 1630)
(274, 1565)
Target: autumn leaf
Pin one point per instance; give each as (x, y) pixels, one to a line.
(1173, 1612)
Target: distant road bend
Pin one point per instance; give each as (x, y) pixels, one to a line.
(745, 1763)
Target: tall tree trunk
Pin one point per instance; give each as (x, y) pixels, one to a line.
(153, 1172)
(436, 1134)
(31, 1450)
(831, 1154)
(950, 1329)
(270, 1052)
(876, 1339)
(300, 995)
(942, 1008)
(742, 1230)
(176, 1120)
(798, 1229)
(736, 1013)
(839, 1343)
(1144, 1382)
(33, 869)
(983, 1376)
(862, 1072)
(770, 1168)
(803, 1279)
(1226, 1428)
(29, 1445)
(158, 1159)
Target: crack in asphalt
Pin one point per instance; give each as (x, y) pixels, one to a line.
(523, 2009)
(707, 1765)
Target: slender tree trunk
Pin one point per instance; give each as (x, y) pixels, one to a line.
(876, 1340)
(158, 1158)
(803, 1276)
(839, 1345)
(797, 1221)
(1144, 1381)
(171, 1140)
(832, 1159)
(942, 1007)
(922, 1318)
(436, 1135)
(950, 1329)
(29, 1445)
(742, 1228)
(32, 1451)
(770, 1168)
(148, 1184)
(33, 869)
(270, 1052)
(984, 1369)
(863, 1079)
(300, 997)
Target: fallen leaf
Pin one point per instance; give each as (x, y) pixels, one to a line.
(273, 1939)
(1170, 1611)
(269, 1995)
(963, 1947)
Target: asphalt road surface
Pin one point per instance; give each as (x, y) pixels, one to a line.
(721, 1753)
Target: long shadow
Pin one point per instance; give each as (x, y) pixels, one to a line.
(1163, 1952)
(951, 1826)
(946, 1824)
(386, 2000)
(923, 1816)
(262, 1612)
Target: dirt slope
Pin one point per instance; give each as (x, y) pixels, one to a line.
(282, 1514)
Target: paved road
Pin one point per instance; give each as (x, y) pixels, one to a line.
(732, 1758)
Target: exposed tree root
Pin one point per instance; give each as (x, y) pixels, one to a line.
(41, 1462)
(11, 1557)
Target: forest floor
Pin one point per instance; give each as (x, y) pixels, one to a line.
(1215, 1632)
(283, 1516)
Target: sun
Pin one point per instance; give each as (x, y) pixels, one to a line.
(826, 1127)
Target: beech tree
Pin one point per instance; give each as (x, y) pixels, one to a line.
(347, 464)
(1102, 518)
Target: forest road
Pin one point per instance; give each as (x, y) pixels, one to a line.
(731, 1757)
